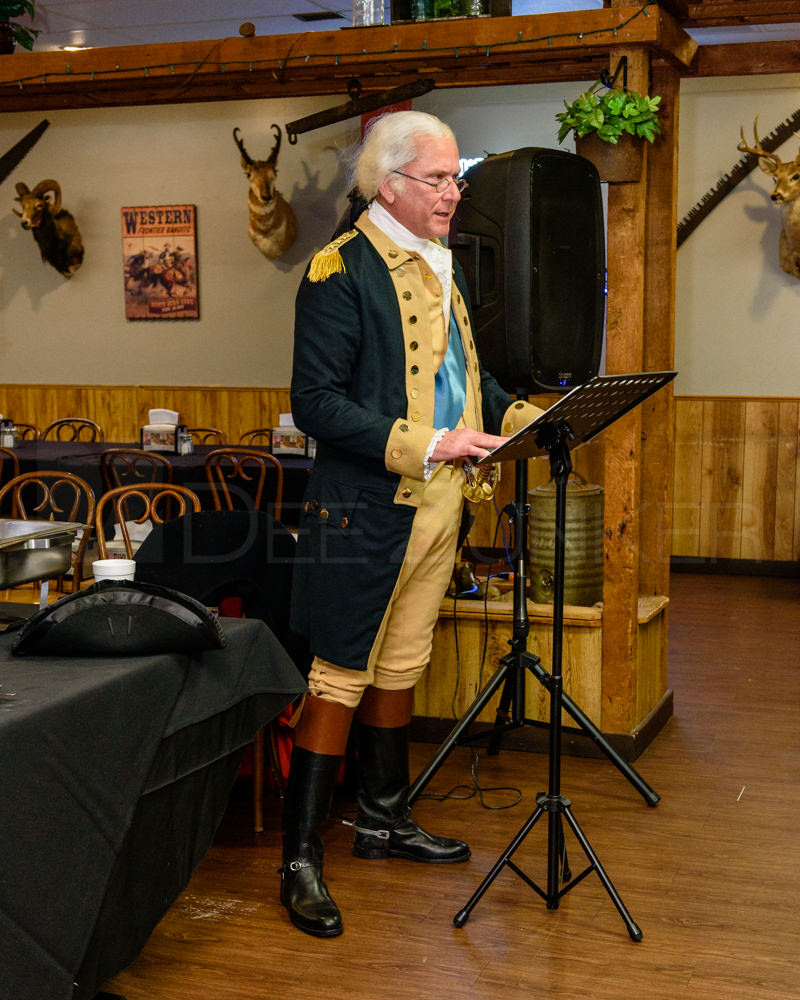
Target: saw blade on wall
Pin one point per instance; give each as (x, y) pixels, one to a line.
(10, 159)
(737, 173)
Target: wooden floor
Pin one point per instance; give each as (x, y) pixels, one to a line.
(710, 874)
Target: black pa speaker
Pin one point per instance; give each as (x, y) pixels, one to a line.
(529, 235)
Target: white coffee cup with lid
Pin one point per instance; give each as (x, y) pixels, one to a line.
(113, 569)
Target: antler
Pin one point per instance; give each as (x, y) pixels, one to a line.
(759, 149)
(240, 143)
(273, 156)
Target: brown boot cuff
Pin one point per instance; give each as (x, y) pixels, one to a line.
(324, 726)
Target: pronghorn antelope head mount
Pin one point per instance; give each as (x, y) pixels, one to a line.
(272, 226)
(786, 175)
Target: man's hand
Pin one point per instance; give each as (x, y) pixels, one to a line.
(465, 443)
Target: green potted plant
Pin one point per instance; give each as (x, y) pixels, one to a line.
(11, 32)
(612, 120)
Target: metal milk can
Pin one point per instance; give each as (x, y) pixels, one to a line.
(583, 545)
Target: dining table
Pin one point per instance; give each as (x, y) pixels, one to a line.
(114, 774)
(83, 459)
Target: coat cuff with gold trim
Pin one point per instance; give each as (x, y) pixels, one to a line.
(406, 448)
(517, 416)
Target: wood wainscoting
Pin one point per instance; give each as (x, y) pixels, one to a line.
(122, 409)
(737, 479)
(736, 459)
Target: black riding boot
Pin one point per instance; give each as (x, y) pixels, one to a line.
(383, 825)
(312, 779)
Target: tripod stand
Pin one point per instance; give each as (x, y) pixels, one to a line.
(511, 674)
(579, 415)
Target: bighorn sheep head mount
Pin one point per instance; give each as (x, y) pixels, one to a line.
(272, 225)
(786, 176)
(53, 227)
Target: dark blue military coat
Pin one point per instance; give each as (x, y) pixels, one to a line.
(363, 387)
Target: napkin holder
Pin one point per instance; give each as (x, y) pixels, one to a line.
(172, 438)
(287, 440)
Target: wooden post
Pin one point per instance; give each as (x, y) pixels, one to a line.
(658, 412)
(623, 451)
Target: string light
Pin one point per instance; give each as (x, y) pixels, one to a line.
(284, 61)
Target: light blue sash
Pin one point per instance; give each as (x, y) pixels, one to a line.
(451, 382)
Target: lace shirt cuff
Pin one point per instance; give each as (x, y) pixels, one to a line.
(429, 466)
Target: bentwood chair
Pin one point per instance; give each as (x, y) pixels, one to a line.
(237, 477)
(8, 460)
(53, 495)
(130, 466)
(259, 435)
(127, 466)
(73, 429)
(27, 432)
(136, 504)
(207, 435)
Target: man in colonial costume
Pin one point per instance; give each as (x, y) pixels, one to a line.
(387, 380)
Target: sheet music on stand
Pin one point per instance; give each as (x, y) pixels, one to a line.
(586, 410)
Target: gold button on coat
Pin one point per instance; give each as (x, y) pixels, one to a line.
(407, 492)
(397, 453)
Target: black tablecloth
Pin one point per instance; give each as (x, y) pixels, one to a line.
(113, 776)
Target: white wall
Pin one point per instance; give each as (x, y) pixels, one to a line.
(737, 313)
(737, 328)
(74, 331)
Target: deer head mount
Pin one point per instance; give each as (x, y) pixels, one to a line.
(272, 225)
(786, 175)
(53, 227)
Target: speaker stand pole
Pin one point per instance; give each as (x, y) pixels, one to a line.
(554, 438)
(511, 673)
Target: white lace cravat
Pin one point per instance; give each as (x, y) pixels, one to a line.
(438, 257)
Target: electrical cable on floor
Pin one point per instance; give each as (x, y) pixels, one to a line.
(475, 787)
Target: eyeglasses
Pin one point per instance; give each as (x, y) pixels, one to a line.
(441, 185)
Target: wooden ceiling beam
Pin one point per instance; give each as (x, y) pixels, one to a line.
(730, 13)
(465, 52)
(747, 59)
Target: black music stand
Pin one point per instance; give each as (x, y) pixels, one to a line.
(575, 418)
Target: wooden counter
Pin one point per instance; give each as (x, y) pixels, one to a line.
(472, 636)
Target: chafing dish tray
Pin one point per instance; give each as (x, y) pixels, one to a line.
(34, 550)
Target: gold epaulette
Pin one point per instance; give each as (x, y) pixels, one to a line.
(329, 261)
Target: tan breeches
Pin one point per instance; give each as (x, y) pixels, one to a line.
(402, 647)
